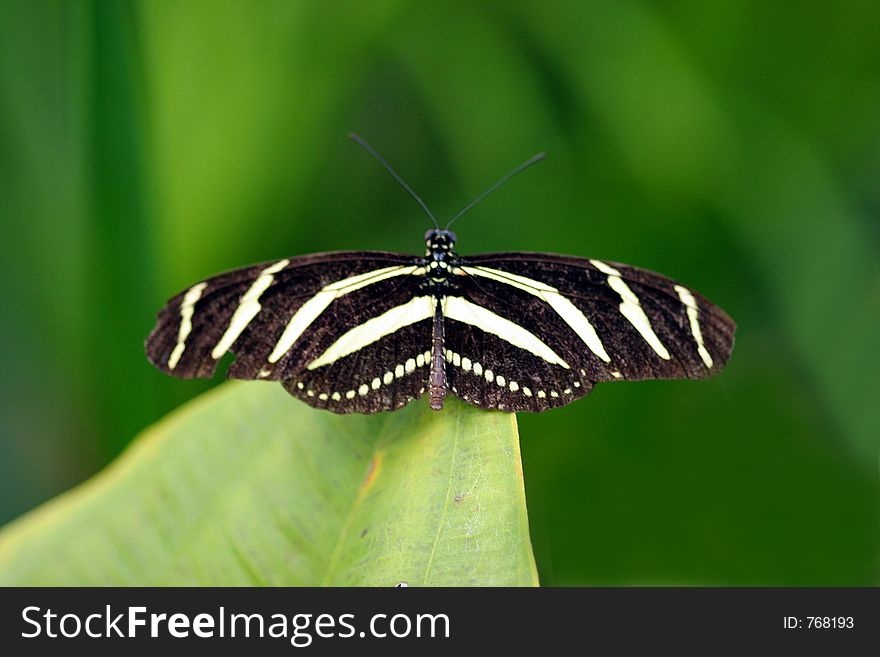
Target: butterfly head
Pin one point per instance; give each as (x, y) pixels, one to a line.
(440, 241)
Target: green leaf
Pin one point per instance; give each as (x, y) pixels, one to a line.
(245, 486)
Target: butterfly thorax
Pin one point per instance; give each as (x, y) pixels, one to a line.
(440, 260)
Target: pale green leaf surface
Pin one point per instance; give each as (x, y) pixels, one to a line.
(246, 486)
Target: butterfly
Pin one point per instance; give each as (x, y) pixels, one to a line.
(370, 331)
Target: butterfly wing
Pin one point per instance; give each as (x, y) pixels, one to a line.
(313, 322)
(536, 331)
(351, 331)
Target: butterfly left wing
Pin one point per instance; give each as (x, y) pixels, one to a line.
(313, 322)
(535, 331)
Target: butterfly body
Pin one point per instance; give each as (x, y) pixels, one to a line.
(370, 331)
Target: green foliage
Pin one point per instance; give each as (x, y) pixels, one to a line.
(247, 487)
(147, 144)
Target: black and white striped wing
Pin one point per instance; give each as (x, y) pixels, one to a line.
(536, 331)
(316, 323)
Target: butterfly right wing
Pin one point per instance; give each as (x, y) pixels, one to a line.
(531, 331)
(281, 317)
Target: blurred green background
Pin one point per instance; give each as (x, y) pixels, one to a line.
(733, 145)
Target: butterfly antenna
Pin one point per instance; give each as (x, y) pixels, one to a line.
(372, 151)
(522, 167)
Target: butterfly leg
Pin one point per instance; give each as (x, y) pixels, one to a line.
(437, 381)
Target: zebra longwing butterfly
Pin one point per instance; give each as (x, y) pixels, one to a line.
(370, 331)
